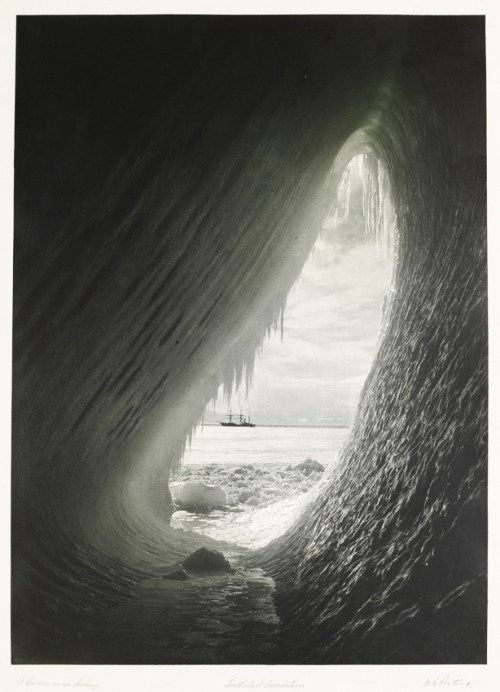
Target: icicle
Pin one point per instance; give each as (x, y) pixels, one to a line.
(249, 370)
(371, 194)
(343, 196)
(378, 208)
(238, 374)
(282, 315)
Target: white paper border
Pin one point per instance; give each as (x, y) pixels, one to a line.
(211, 677)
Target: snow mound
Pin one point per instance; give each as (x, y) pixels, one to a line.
(195, 493)
(309, 466)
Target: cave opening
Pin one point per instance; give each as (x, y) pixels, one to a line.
(245, 483)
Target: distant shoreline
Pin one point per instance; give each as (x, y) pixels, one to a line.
(280, 425)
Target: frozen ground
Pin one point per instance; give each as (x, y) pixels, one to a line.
(262, 501)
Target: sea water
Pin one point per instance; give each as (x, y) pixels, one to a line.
(264, 445)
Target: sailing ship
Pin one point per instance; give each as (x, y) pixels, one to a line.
(242, 421)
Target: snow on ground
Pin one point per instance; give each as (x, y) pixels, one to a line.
(262, 500)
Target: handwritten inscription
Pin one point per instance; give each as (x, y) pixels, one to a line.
(446, 681)
(264, 684)
(38, 682)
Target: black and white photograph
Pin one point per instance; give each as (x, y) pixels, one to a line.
(249, 395)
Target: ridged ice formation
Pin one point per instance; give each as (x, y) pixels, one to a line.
(172, 175)
(378, 207)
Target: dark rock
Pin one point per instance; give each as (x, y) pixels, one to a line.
(177, 574)
(204, 560)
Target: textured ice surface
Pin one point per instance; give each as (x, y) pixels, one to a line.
(165, 206)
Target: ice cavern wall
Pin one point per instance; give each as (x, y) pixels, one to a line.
(172, 174)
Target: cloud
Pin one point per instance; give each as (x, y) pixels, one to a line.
(331, 325)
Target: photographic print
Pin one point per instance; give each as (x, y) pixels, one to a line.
(249, 381)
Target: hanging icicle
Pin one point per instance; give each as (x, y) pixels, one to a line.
(378, 209)
(371, 194)
(343, 197)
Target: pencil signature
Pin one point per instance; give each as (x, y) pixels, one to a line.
(264, 684)
(446, 681)
(82, 683)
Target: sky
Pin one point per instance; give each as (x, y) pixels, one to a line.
(315, 374)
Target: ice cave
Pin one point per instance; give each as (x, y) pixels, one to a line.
(168, 171)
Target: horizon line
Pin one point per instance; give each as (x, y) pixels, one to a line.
(280, 425)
